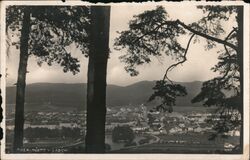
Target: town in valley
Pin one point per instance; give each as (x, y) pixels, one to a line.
(60, 131)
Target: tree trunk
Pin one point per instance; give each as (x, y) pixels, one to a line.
(96, 90)
(240, 62)
(20, 89)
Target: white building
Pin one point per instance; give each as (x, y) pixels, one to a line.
(233, 133)
(49, 126)
(68, 125)
(175, 130)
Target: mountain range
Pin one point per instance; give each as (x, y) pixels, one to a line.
(73, 96)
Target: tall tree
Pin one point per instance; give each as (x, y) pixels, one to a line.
(45, 32)
(153, 33)
(97, 70)
(22, 70)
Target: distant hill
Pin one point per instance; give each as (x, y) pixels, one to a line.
(73, 96)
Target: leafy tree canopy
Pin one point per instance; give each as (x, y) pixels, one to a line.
(52, 29)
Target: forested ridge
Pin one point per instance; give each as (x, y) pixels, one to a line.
(74, 95)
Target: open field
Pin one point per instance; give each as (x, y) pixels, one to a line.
(174, 148)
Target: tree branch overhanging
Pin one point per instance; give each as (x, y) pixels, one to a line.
(180, 62)
(224, 42)
(228, 36)
(178, 22)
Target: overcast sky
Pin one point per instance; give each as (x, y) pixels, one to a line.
(196, 68)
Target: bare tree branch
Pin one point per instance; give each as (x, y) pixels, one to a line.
(234, 30)
(224, 42)
(180, 62)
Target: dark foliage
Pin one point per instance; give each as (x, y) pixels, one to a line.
(148, 36)
(52, 30)
(167, 93)
(213, 92)
(123, 133)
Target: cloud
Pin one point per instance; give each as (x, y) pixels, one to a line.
(197, 66)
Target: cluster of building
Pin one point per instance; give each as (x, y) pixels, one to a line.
(137, 117)
(50, 120)
(163, 123)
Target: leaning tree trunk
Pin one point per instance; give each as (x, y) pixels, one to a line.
(97, 69)
(240, 62)
(20, 89)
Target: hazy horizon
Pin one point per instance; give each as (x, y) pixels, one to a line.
(8, 85)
